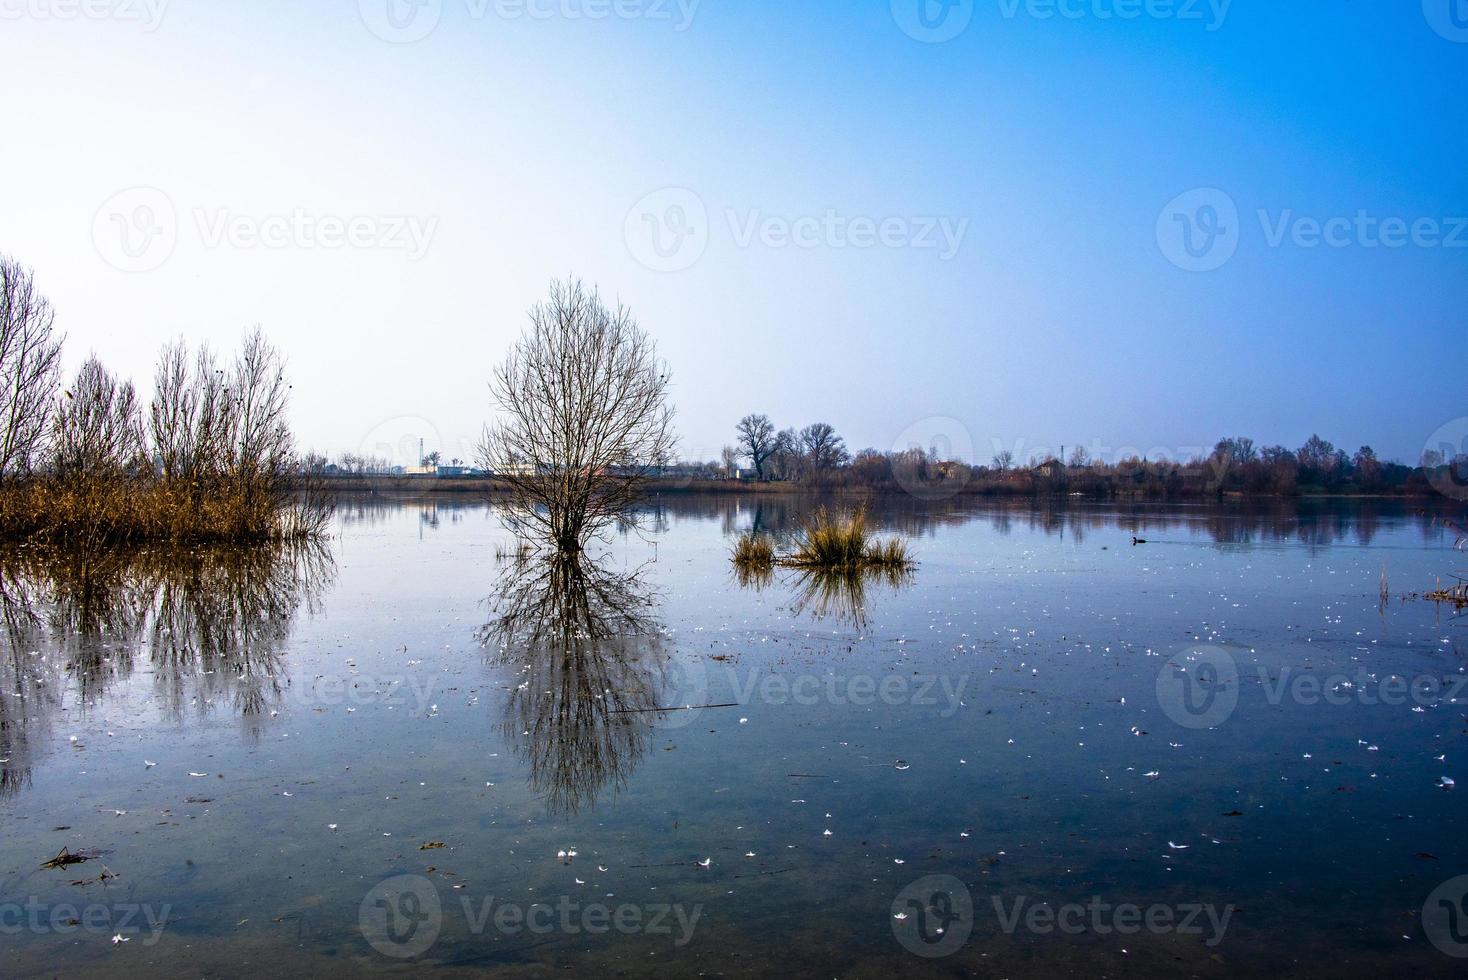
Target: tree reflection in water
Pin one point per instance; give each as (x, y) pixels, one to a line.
(591, 662)
(211, 623)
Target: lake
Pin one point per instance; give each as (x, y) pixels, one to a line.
(1047, 751)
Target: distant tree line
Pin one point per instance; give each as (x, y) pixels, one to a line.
(817, 455)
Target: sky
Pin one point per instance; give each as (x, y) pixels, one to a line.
(1127, 225)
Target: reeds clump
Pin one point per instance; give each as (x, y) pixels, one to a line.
(831, 541)
(519, 552)
(891, 555)
(754, 560)
(826, 542)
(843, 542)
(754, 552)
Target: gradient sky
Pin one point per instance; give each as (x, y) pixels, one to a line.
(530, 147)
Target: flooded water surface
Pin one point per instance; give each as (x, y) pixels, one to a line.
(1047, 751)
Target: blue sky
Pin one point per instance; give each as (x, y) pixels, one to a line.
(800, 164)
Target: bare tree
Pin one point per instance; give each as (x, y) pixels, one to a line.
(190, 418)
(30, 365)
(823, 448)
(219, 430)
(1236, 451)
(730, 458)
(757, 441)
(1317, 454)
(262, 448)
(785, 459)
(584, 418)
(1003, 460)
(98, 430)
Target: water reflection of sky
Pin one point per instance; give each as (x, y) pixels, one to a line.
(381, 689)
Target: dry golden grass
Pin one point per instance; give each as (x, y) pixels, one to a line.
(1457, 595)
(754, 552)
(830, 542)
(140, 509)
(891, 554)
(843, 541)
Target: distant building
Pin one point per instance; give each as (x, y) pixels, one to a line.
(1050, 469)
(443, 471)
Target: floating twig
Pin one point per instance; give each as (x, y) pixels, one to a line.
(682, 707)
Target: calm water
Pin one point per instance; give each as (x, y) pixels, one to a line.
(1217, 753)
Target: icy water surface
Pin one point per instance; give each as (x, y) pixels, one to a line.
(1047, 752)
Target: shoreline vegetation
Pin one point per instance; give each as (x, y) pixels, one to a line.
(394, 484)
(816, 459)
(209, 459)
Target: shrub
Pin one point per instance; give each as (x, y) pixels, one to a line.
(754, 552)
(843, 541)
(839, 542)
